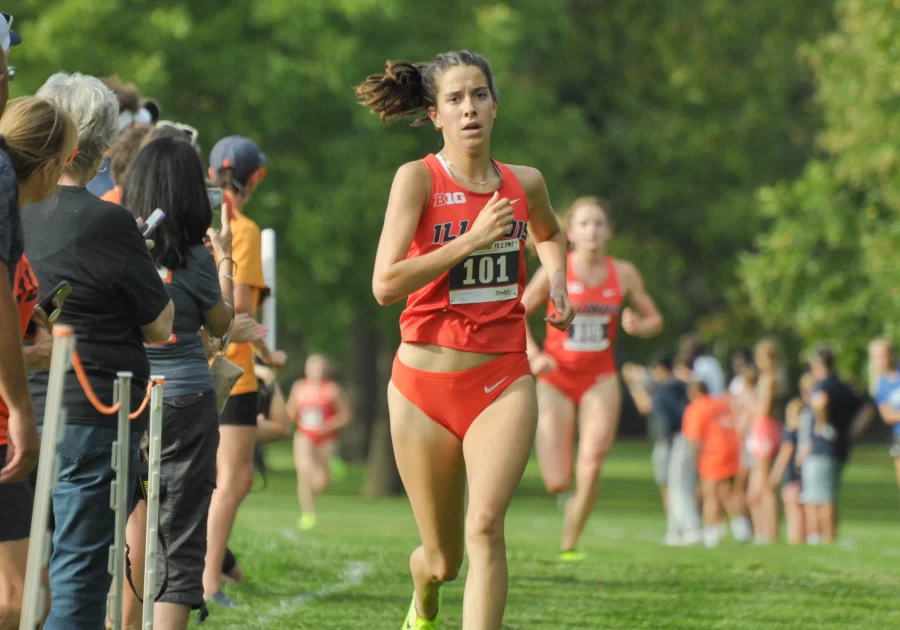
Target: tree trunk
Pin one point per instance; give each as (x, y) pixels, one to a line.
(362, 388)
(382, 476)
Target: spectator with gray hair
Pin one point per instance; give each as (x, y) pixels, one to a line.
(118, 303)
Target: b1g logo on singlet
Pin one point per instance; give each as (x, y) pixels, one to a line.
(448, 199)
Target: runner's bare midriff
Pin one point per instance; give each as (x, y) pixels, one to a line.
(432, 358)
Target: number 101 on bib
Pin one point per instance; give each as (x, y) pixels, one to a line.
(487, 275)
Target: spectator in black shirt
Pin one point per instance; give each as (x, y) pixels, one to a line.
(839, 414)
(118, 302)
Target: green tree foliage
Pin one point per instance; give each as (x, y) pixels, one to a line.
(828, 265)
(675, 112)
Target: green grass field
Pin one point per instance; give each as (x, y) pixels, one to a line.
(352, 571)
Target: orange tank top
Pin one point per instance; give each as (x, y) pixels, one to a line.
(25, 292)
(315, 405)
(589, 339)
(477, 305)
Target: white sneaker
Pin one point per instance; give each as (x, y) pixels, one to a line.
(691, 538)
(813, 539)
(711, 537)
(741, 530)
(672, 539)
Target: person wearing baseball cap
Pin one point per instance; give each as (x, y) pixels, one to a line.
(237, 166)
(8, 37)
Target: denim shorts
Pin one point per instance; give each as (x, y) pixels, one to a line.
(819, 480)
(662, 452)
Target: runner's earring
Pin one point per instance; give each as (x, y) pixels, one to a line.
(438, 127)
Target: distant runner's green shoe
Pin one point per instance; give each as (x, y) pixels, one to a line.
(306, 522)
(338, 469)
(415, 622)
(571, 556)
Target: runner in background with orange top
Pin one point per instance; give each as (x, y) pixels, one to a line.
(318, 406)
(576, 370)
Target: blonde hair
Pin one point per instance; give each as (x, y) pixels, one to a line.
(771, 349)
(37, 131)
(751, 376)
(806, 382)
(565, 216)
(875, 372)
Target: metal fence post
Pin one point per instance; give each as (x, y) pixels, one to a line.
(156, 421)
(119, 497)
(47, 475)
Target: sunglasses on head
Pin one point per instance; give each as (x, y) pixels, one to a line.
(189, 131)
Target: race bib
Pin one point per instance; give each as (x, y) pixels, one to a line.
(487, 275)
(587, 333)
(311, 418)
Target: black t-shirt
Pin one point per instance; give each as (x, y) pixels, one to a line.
(670, 399)
(97, 248)
(843, 405)
(10, 227)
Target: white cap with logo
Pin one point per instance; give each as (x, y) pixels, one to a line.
(8, 37)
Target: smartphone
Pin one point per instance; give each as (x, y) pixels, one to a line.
(215, 202)
(153, 222)
(58, 295)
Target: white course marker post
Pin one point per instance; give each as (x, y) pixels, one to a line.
(118, 499)
(47, 476)
(269, 261)
(152, 538)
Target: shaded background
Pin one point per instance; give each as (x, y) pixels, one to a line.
(750, 150)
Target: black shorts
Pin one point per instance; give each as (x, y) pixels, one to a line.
(240, 410)
(16, 504)
(190, 438)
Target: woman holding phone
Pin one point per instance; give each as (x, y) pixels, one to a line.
(167, 173)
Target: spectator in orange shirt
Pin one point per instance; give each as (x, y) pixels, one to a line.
(709, 424)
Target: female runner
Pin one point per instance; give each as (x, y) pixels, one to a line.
(318, 406)
(577, 368)
(461, 398)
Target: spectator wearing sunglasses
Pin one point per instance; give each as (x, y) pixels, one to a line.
(118, 302)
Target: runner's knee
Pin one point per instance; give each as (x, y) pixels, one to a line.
(484, 527)
(589, 466)
(10, 607)
(443, 565)
(237, 481)
(557, 484)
